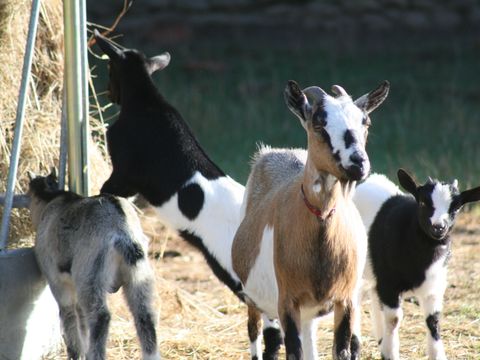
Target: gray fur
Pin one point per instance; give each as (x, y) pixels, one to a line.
(86, 247)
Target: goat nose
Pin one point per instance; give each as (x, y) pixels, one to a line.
(357, 158)
(439, 227)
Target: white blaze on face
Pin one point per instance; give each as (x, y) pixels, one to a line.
(441, 200)
(343, 115)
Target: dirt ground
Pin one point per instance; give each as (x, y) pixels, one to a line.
(201, 319)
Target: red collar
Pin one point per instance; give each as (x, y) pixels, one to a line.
(314, 210)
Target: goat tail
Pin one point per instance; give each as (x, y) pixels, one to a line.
(132, 251)
(139, 292)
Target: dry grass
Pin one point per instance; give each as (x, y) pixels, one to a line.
(201, 319)
(41, 133)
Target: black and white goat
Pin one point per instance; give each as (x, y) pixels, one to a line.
(409, 246)
(154, 153)
(86, 247)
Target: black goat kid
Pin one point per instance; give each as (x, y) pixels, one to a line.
(408, 248)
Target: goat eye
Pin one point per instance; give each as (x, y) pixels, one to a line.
(421, 203)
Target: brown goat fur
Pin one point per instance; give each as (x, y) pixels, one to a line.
(301, 247)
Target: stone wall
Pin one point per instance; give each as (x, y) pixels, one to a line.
(369, 22)
(327, 14)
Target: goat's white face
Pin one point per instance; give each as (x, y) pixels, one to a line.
(435, 213)
(337, 126)
(345, 129)
(442, 197)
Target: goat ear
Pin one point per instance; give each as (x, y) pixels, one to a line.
(53, 172)
(469, 196)
(158, 62)
(407, 182)
(297, 102)
(51, 183)
(31, 175)
(107, 47)
(373, 99)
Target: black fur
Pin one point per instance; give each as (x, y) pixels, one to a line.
(98, 337)
(217, 269)
(336, 156)
(349, 138)
(152, 148)
(328, 141)
(295, 99)
(273, 340)
(153, 151)
(40, 189)
(354, 347)
(65, 267)
(343, 335)
(148, 329)
(130, 251)
(433, 325)
(101, 325)
(190, 200)
(319, 118)
(293, 345)
(400, 251)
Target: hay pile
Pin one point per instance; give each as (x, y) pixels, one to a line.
(41, 134)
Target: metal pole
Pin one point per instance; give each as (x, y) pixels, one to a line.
(84, 94)
(12, 172)
(62, 158)
(76, 88)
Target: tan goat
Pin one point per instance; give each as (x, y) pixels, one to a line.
(301, 248)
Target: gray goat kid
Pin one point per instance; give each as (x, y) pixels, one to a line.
(86, 247)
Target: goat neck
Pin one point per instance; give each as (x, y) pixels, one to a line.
(37, 206)
(138, 88)
(321, 189)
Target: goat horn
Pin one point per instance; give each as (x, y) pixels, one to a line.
(339, 91)
(314, 92)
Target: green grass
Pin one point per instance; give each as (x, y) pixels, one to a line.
(429, 124)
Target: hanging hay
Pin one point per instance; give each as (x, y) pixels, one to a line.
(41, 132)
